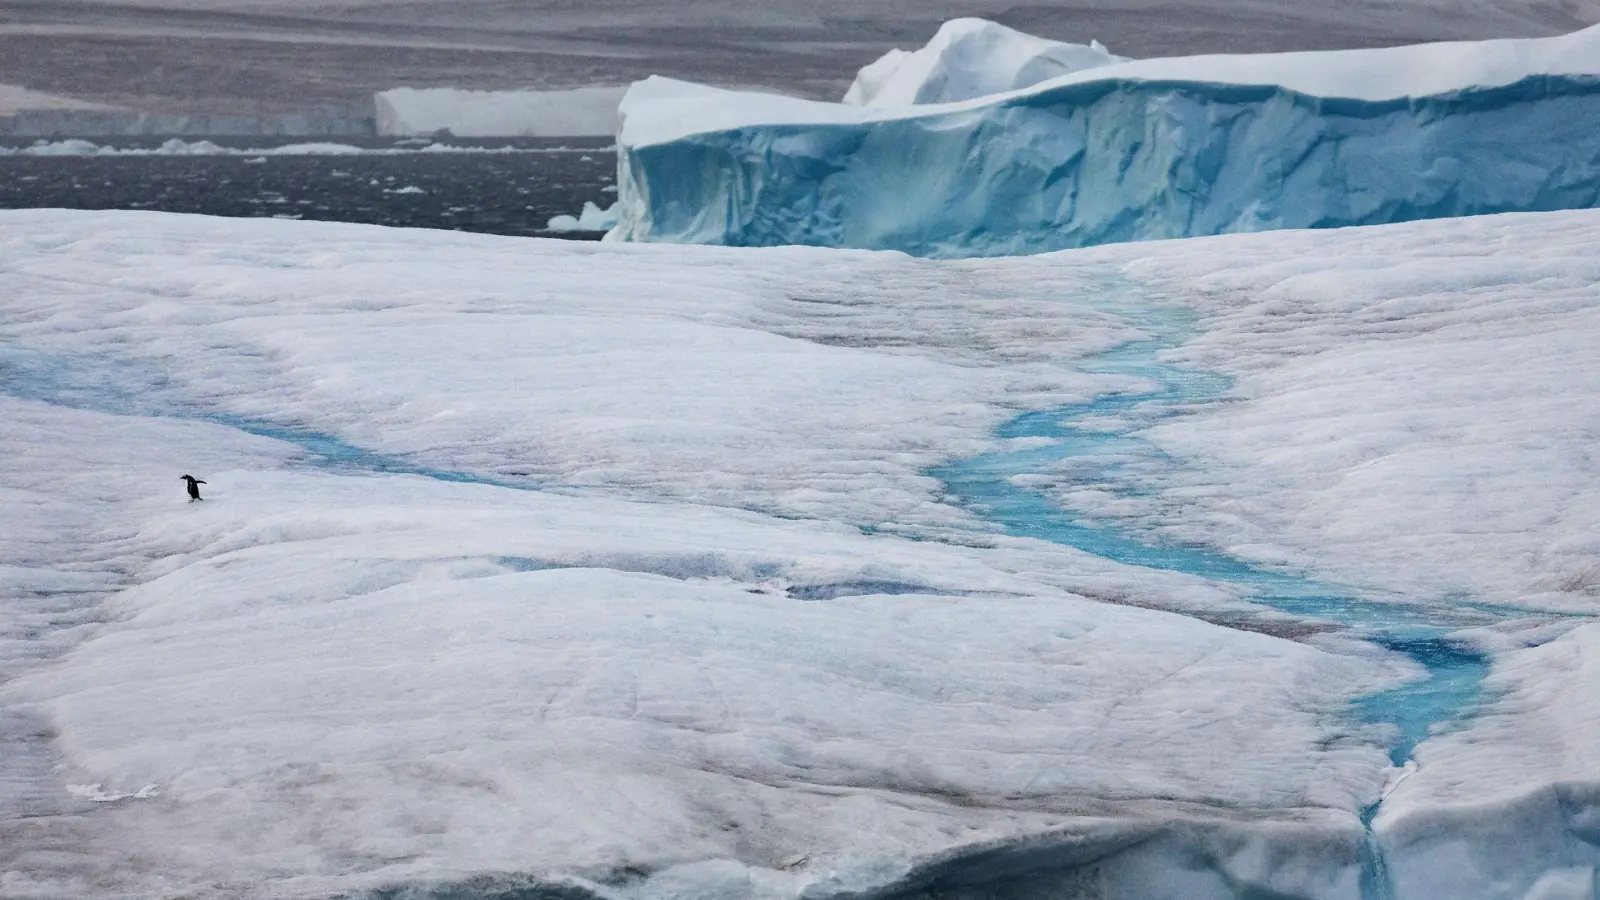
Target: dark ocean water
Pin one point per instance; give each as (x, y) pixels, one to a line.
(513, 187)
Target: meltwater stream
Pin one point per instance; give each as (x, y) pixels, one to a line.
(1092, 443)
(1098, 444)
(126, 389)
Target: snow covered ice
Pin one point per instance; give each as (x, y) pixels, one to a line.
(623, 570)
(1113, 151)
(969, 58)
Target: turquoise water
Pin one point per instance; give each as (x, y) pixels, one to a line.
(1115, 458)
(1098, 444)
(125, 389)
(1094, 443)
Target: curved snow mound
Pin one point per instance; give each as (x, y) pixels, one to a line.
(1139, 150)
(970, 58)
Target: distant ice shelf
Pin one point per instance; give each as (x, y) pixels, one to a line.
(1126, 151)
(586, 111)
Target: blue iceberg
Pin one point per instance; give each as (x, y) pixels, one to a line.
(1139, 150)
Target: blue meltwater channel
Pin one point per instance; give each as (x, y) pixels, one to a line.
(1097, 445)
(122, 388)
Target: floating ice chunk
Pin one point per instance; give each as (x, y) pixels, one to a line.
(593, 218)
(68, 147)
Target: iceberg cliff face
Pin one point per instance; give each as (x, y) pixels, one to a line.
(1134, 151)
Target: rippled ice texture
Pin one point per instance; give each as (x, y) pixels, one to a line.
(690, 618)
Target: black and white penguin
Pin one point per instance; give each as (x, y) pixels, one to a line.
(194, 487)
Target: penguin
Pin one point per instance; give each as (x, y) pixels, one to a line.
(194, 487)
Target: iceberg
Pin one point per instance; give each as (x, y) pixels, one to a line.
(1126, 151)
(593, 218)
(970, 58)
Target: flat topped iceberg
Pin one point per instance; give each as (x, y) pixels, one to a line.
(969, 58)
(1134, 150)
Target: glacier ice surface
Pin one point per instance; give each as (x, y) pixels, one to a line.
(702, 655)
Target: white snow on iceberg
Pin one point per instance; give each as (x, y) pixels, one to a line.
(1136, 150)
(969, 58)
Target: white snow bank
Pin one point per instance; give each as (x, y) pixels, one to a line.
(581, 111)
(969, 58)
(658, 110)
(593, 218)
